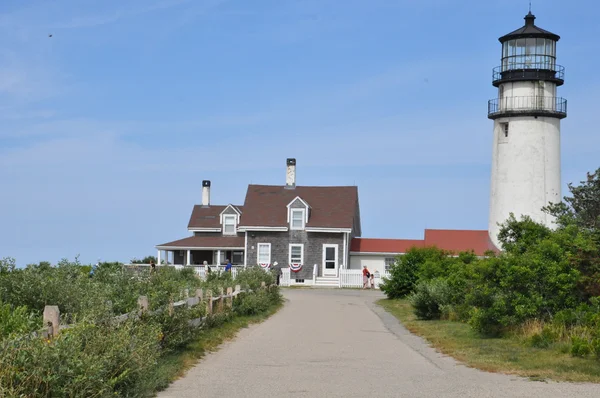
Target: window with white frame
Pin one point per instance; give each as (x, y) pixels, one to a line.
(229, 224)
(389, 261)
(264, 253)
(297, 218)
(296, 253)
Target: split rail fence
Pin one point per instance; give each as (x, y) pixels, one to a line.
(214, 305)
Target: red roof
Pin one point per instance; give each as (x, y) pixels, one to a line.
(207, 242)
(330, 207)
(384, 245)
(451, 240)
(459, 240)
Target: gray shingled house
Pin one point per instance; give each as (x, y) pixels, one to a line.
(277, 226)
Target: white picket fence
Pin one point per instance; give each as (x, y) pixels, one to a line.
(200, 269)
(348, 278)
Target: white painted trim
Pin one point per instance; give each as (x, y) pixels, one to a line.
(337, 262)
(274, 229)
(197, 248)
(158, 257)
(258, 252)
(301, 200)
(290, 252)
(345, 250)
(245, 249)
(204, 229)
(303, 211)
(226, 216)
(333, 230)
(234, 209)
(188, 261)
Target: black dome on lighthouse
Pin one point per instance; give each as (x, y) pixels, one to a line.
(529, 30)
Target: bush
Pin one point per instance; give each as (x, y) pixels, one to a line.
(580, 347)
(85, 360)
(429, 298)
(17, 321)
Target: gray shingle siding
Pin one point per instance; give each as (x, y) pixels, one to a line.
(313, 248)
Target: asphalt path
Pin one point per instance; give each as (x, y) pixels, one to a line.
(339, 343)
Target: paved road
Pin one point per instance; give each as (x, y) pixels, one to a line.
(337, 343)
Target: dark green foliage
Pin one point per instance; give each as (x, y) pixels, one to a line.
(429, 298)
(545, 281)
(97, 357)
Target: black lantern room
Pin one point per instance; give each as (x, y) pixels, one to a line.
(529, 53)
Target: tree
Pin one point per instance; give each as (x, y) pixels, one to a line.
(582, 208)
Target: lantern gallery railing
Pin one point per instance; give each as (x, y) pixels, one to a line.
(529, 71)
(527, 106)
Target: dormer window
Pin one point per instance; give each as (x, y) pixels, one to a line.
(229, 224)
(297, 219)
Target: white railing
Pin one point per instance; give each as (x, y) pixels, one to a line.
(354, 278)
(285, 277)
(315, 273)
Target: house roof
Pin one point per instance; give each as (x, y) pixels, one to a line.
(331, 207)
(447, 239)
(206, 242)
(392, 246)
(460, 240)
(207, 216)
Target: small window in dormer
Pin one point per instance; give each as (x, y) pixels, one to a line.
(297, 219)
(229, 222)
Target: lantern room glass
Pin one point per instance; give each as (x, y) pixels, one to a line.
(529, 53)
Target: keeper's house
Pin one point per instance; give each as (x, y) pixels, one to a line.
(313, 231)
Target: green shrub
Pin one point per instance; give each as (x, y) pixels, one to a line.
(580, 347)
(429, 298)
(544, 339)
(17, 321)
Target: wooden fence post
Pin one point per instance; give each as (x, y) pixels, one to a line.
(263, 285)
(220, 304)
(171, 307)
(52, 319)
(186, 293)
(230, 299)
(199, 294)
(209, 303)
(143, 304)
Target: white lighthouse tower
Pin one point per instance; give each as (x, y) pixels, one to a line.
(526, 115)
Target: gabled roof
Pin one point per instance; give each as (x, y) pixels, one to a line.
(460, 240)
(207, 216)
(331, 207)
(206, 242)
(391, 246)
(451, 240)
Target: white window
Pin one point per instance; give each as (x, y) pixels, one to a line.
(297, 219)
(296, 253)
(264, 253)
(389, 261)
(229, 222)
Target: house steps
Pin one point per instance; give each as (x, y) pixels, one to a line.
(327, 281)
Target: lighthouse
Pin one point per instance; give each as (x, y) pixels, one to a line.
(526, 115)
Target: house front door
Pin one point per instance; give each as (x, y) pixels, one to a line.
(330, 260)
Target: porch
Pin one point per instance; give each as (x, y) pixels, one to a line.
(203, 250)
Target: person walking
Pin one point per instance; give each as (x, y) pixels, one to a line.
(366, 276)
(228, 266)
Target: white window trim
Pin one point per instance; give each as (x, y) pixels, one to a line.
(301, 254)
(258, 245)
(226, 216)
(230, 206)
(303, 211)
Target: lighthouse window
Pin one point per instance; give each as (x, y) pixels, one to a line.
(505, 129)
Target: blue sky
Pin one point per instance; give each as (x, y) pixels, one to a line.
(108, 127)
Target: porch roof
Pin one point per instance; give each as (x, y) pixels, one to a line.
(205, 242)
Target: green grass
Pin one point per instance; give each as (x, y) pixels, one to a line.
(505, 355)
(174, 365)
